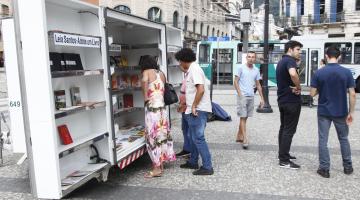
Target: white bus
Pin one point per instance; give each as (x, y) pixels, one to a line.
(314, 50)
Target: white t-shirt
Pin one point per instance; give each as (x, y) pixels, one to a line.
(196, 76)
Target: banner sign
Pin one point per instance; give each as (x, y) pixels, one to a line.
(66, 39)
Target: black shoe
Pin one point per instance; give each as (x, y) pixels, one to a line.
(292, 157)
(203, 171)
(324, 173)
(348, 171)
(183, 153)
(289, 165)
(187, 165)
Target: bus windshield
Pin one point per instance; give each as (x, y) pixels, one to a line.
(276, 50)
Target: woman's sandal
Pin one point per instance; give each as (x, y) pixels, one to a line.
(151, 174)
(241, 141)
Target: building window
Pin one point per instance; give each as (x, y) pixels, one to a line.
(218, 33)
(287, 8)
(322, 7)
(213, 32)
(300, 7)
(176, 19)
(222, 34)
(201, 28)
(357, 7)
(154, 14)
(194, 26)
(123, 9)
(207, 30)
(186, 20)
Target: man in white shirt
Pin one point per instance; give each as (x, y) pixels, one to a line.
(198, 105)
(248, 75)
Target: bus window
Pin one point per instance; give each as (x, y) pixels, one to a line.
(276, 52)
(345, 51)
(302, 67)
(239, 53)
(204, 53)
(357, 53)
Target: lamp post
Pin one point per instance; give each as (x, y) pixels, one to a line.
(266, 108)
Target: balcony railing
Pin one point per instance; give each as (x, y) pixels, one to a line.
(310, 19)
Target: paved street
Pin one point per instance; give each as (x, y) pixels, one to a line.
(239, 174)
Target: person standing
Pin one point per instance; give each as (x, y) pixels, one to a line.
(332, 83)
(198, 105)
(159, 143)
(289, 101)
(245, 79)
(185, 152)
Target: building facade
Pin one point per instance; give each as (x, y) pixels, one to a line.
(332, 17)
(198, 19)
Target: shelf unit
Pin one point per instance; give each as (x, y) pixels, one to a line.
(66, 27)
(133, 46)
(75, 27)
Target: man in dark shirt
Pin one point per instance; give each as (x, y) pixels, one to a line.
(289, 101)
(332, 83)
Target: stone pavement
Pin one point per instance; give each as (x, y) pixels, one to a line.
(239, 174)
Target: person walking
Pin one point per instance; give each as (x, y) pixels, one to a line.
(332, 83)
(245, 79)
(198, 105)
(289, 101)
(159, 143)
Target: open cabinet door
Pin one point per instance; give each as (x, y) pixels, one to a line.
(174, 74)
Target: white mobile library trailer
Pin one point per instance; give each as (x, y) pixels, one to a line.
(78, 76)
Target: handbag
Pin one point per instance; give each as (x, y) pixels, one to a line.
(170, 96)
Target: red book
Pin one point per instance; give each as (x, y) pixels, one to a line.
(128, 101)
(64, 134)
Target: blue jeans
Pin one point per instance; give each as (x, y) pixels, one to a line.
(198, 144)
(186, 134)
(342, 130)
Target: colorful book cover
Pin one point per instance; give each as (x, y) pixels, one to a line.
(60, 99)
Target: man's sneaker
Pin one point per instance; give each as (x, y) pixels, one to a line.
(183, 153)
(324, 173)
(289, 165)
(290, 157)
(187, 165)
(348, 171)
(203, 171)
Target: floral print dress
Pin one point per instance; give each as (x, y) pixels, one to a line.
(159, 142)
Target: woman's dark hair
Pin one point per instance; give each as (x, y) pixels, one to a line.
(185, 55)
(148, 62)
(292, 44)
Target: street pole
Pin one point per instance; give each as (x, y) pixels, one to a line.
(246, 26)
(267, 108)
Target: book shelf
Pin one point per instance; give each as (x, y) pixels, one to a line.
(68, 60)
(72, 103)
(125, 63)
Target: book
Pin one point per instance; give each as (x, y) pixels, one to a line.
(75, 96)
(60, 99)
(124, 81)
(135, 81)
(64, 134)
(128, 100)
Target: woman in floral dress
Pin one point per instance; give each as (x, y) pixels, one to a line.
(159, 142)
